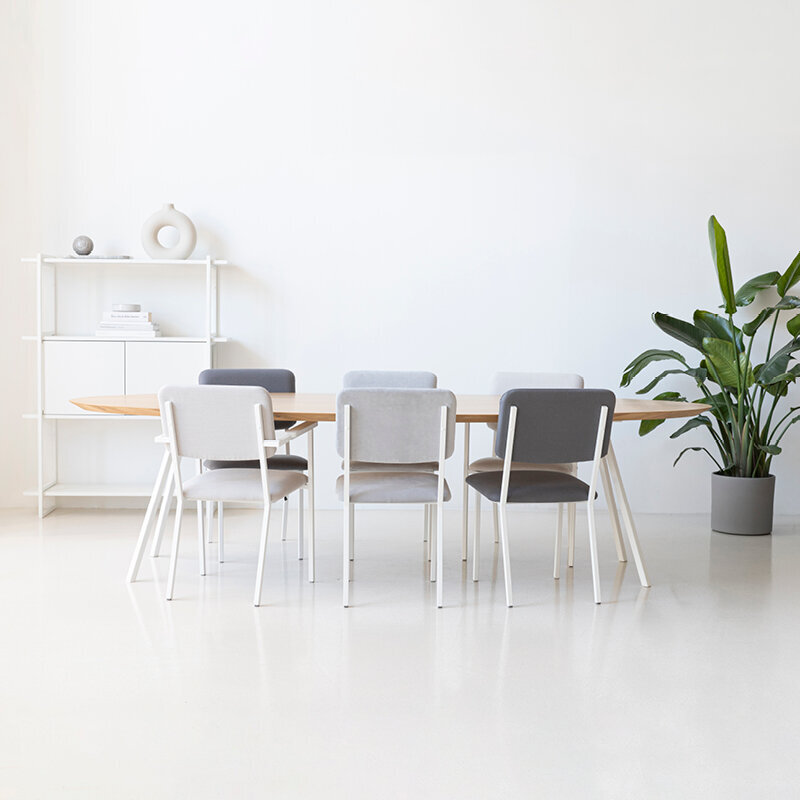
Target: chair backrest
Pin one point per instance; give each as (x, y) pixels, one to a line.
(554, 426)
(280, 381)
(218, 422)
(504, 381)
(388, 379)
(395, 426)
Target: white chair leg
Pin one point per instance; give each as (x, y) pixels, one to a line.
(439, 553)
(352, 543)
(201, 539)
(284, 519)
(506, 562)
(262, 554)
(571, 534)
(557, 556)
(220, 532)
(496, 523)
(176, 535)
(425, 523)
(166, 502)
(434, 537)
(476, 538)
(429, 526)
(593, 552)
(210, 516)
(301, 532)
(611, 502)
(348, 519)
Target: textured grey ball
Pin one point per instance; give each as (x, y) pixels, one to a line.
(83, 245)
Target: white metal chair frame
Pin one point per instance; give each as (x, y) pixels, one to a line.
(598, 463)
(280, 440)
(434, 533)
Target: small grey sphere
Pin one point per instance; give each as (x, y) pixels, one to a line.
(83, 245)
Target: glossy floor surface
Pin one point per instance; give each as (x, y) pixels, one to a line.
(688, 689)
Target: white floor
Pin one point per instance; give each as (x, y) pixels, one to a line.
(688, 689)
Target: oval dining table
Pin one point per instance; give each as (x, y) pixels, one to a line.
(303, 407)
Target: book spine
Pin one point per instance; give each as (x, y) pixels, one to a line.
(146, 316)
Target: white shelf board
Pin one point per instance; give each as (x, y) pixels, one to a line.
(189, 262)
(66, 338)
(95, 490)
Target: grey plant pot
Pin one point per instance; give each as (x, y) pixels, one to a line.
(742, 505)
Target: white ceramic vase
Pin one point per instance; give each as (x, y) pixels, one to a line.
(169, 217)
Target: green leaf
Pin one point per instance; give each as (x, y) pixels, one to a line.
(647, 425)
(749, 328)
(659, 378)
(772, 449)
(779, 363)
(790, 277)
(696, 450)
(793, 325)
(747, 293)
(717, 327)
(679, 329)
(690, 425)
(724, 357)
(787, 302)
(722, 261)
(641, 361)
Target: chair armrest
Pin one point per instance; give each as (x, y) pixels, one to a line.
(286, 436)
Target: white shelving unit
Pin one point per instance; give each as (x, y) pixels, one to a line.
(79, 365)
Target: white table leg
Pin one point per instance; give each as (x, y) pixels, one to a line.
(144, 531)
(608, 490)
(465, 512)
(627, 516)
(311, 510)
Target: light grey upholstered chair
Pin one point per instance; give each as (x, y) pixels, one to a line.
(275, 381)
(501, 383)
(401, 428)
(225, 423)
(391, 379)
(547, 426)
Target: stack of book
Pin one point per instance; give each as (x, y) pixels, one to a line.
(127, 322)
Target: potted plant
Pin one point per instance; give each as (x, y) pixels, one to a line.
(748, 418)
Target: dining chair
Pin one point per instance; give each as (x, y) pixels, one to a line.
(391, 379)
(401, 428)
(275, 381)
(547, 426)
(226, 423)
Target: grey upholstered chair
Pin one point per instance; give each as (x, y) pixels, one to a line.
(501, 383)
(547, 426)
(277, 381)
(225, 423)
(401, 428)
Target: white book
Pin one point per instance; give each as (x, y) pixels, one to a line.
(110, 316)
(106, 333)
(129, 326)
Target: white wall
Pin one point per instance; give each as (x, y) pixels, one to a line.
(462, 187)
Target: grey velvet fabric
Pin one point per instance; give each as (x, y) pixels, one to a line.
(243, 485)
(554, 425)
(503, 382)
(395, 426)
(371, 466)
(279, 461)
(388, 379)
(218, 422)
(492, 464)
(531, 486)
(280, 381)
(392, 487)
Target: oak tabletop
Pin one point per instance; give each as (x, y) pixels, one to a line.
(322, 407)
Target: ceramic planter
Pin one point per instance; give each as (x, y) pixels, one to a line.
(742, 505)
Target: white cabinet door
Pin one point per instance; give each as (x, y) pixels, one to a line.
(151, 365)
(81, 369)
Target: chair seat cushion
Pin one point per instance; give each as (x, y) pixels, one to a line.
(371, 466)
(241, 484)
(494, 464)
(392, 487)
(278, 461)
(531, 486)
